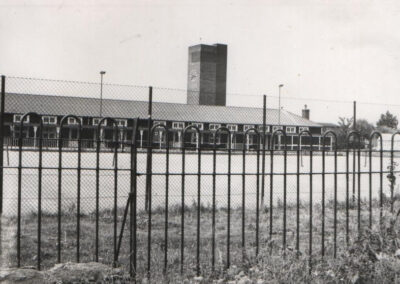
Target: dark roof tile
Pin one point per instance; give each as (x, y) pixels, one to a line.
(81, 106)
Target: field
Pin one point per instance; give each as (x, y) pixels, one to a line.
(106, 180)
(243, 259)
(268, 246)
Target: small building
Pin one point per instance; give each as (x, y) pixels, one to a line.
(174, 116)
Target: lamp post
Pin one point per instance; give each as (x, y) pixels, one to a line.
(101, 92)
(279, 114)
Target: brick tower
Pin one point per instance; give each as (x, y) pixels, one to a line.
(207, 74)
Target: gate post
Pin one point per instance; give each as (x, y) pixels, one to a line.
(2, 100)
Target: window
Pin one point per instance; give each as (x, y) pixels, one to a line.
(261, 128)
(159, 135)
(214, 126)
(178, 125)
(194, 137)
(275, 128)
(232, 127)
(49, 133)
(156, 122)
(200, 126)
(303, 128)
(49, 119)
(247, 127)
(212, 138)
(72, 121)
(96, 121)
(290, 129)
(18, 117)
(122, 122)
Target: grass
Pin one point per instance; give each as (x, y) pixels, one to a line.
(270, 248)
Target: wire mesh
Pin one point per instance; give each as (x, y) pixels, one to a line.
(203, 200)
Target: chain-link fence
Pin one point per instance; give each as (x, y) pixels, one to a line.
(134, 176)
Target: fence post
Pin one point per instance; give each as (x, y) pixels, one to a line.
(133, 202)
(354, 152)
(2, 100)
(149, 146)
(263, 151)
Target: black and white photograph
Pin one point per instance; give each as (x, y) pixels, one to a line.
(199, 141)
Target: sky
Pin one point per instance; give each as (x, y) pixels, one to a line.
(322, 51)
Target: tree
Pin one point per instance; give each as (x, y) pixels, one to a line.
(343, 130)
(365, 128)
(346, 126)
(388, 120)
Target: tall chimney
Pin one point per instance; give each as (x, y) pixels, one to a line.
(305, 113)
(207, 74)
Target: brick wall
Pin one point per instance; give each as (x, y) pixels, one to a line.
(207, 74)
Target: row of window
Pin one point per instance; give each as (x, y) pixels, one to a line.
(71, 120)
(233, 127)
(175, 125)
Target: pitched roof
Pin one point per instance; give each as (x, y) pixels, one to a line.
(81, 106)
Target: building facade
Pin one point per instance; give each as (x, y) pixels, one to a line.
(205, 108)
(174, 116)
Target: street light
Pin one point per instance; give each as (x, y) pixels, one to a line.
(279, 114)
(101, 92)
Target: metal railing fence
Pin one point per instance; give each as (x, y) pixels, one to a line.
(195, 208)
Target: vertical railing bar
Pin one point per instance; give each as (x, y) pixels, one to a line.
(133, 212)
(125, 214)
(166, 200)
(311, 197)
(335, 203)
(116, 142)
(60, 145)
(263, 151)
(347, 195)
(378, 134)
(198, 200)
(359, 186)
(298, 198)
(272, 145)
(391, 173)
(149, 143)
(381, 186)
(229, 204)
(392, 177)
(98, 145)
(213, 203)
(78, 201)
(2, 107)
(149, 196)
(352, 133)
(244, 195)
(271, 186)
(323, 203)
(258, 195)
(98, 142)
(370, 185)
(354, 178)
(19, 193)
(39, 236)
(333, 134)
(59, 197)
(20, 190)
(284, 194)
(183, 202)
(149, 179)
